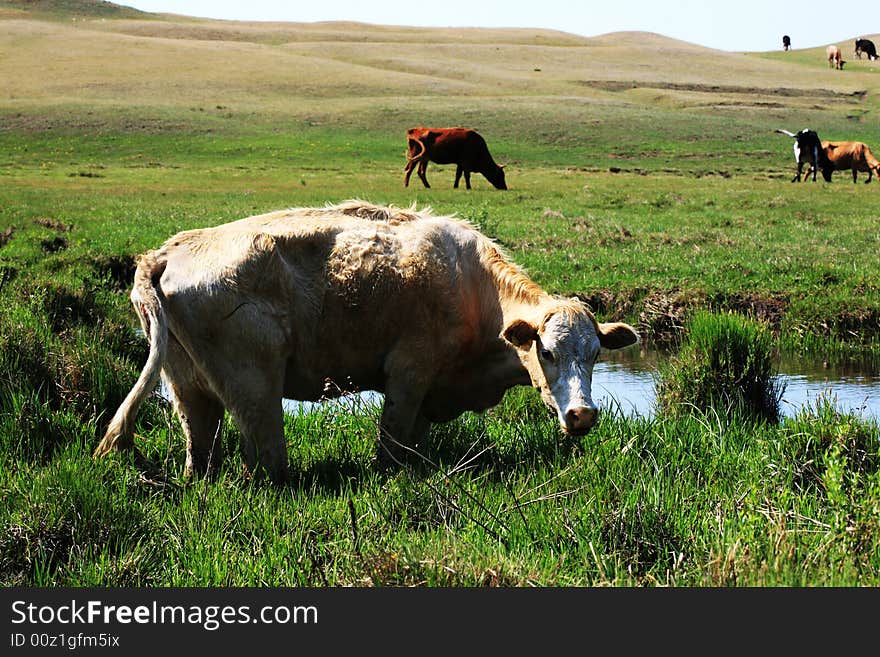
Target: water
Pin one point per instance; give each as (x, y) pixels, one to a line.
(624, 382)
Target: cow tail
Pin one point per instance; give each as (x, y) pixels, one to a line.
(148, 301)
(420, 153)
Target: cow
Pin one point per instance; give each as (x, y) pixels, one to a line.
(850, 155)
(307, 302)
(808, 150)
(786, 42)
(835, 59)
(865, 46)
(463, 147)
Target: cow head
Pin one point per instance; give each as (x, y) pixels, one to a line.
(560, 353)
(496, 177)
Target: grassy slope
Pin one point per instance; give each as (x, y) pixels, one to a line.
(124, 131)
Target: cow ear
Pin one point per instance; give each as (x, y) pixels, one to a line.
(616, 335)
(520, 333)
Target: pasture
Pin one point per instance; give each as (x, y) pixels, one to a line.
(648, 182)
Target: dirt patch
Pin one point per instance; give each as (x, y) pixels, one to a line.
(53, 245)
(53, 224)
(6, 236)
(612, 307)
(94, 124)
(763, 309)
(855, 323)
(788, 92)
(84, 174)
(117, 270)
(6, 275)
(663, 316)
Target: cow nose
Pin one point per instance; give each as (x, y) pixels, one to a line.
(581, 419)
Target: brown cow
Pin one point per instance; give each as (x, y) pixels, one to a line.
(463, 147)
(835, 59)
(850, 155)
(300, 303)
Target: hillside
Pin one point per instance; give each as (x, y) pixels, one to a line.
(70, 8)
(68, 52)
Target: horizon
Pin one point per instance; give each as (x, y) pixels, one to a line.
(722, 26)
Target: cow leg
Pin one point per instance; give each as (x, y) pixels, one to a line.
(399, 417)
(201, 417)
(458, 171)
(263, 448)
(407, 172)
(256, 407)
(423, 169)
(797, 176)
(408, 373)
(200, 412)
(467, 179)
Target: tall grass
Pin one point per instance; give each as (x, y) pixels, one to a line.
(725, 363)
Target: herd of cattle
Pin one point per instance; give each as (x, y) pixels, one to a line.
(830, 156)
(309, 303)
(835, 57)
(467, 150)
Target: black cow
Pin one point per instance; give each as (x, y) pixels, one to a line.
(866, 46)
(808, 150)
(786, 42)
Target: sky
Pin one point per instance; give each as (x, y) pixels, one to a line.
(731, 25)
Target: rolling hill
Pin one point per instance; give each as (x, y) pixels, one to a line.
(85, 52)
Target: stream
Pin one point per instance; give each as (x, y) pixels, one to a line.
(623, 382)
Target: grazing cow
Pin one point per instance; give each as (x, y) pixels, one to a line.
(850, 155)
(835, 59)
(786, 42)
(301, 303)
(808, 150)
(865, 46)
(463, 147)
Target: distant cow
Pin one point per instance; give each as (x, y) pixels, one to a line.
(865, 46)
(852, 156)
(786, 42)
(306, 302)
(808, 151)
(463, 147)
(835, 59)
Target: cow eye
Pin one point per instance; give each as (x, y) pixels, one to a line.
(546, 354)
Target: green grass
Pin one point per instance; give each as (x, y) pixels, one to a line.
(653, 194)
(725, 364)
(690, 502)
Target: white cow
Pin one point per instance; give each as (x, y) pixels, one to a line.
(422, 308)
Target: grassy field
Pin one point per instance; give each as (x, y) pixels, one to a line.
(649, 182)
